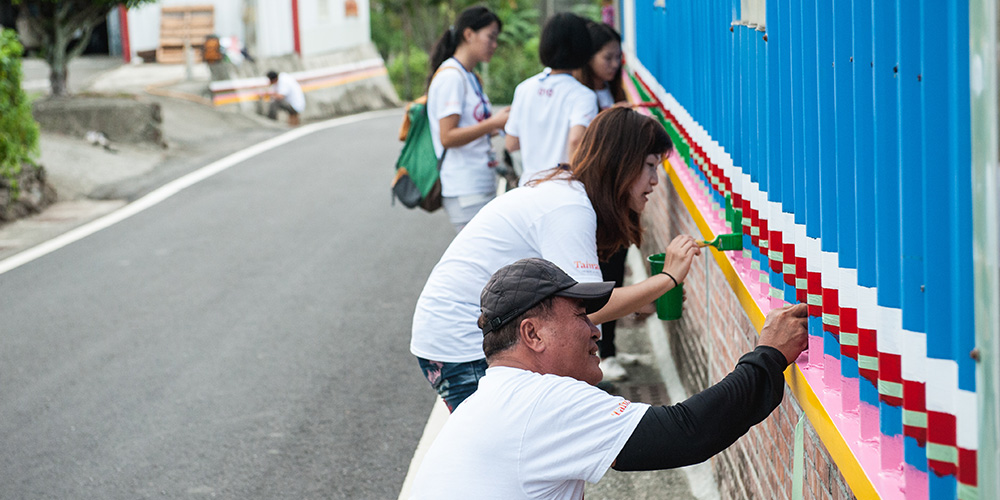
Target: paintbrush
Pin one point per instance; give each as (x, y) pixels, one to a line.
(724, 242)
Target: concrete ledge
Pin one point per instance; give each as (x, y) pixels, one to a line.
(123, 119)
(339, 83)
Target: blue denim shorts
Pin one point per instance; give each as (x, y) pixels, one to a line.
(453, 381)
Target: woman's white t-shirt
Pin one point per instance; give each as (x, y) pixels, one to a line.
(466, 169)
(604, 98)
(553, 220)
(527, 435)
(545, 108)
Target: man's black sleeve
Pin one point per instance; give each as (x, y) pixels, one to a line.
(707, 423)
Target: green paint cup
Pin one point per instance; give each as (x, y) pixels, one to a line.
(670, 305)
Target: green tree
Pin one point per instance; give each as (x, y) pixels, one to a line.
(57, 22)
(18, 130)
(405, 31)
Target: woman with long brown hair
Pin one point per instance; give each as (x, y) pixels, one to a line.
(573, 216)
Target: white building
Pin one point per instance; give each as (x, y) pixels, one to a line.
(267, 28)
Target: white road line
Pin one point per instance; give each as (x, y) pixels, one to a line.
(439, 415)
(178, 185)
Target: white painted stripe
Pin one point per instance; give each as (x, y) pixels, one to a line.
(966, 407)
(831, 270)
(775, 220)
(437, 419)
(890, 330)
(915, 365)
(814, 255)
(941, 388)
(848, 288)
(800, 239)
(629, 44)
(867, 308)
(166, 191)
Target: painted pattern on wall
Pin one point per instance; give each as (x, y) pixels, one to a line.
(841, 132)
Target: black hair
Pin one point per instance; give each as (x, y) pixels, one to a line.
(272, 75)
(476, 18)
(506, 336)
(600, 35)
(565, 42)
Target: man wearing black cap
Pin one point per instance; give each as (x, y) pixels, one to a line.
(538, 428)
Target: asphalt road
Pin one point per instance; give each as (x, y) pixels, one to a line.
(246, 338)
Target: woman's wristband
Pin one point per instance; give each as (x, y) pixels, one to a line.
(671, 278)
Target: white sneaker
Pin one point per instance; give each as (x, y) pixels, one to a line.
(613, 370)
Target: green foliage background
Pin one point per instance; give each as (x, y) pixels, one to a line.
(405, 31)
(18, 129)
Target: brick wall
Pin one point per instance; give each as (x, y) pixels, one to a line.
(707, 341)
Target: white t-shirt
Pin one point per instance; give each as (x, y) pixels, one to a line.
(545, 108)
(466, 169)
(526, 435)
(554, 221)
(604, 98)
(288, 87)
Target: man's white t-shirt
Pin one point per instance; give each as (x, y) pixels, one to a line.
(466, 169)
(526, 435)
(545, 108)
(553, 220)
(288, 87)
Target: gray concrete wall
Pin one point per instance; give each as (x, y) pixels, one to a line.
(354, 97)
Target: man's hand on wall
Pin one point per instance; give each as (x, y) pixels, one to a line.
(787, 330)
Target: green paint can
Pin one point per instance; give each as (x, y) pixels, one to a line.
(670, 305)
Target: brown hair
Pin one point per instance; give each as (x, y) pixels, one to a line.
(608, 160)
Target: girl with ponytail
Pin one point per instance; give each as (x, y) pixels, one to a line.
(461, 116)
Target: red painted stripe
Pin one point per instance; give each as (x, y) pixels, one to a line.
(831, 305)
(754, 223)
(967, 468)
(890, 369)
(295, 27)
(650, 93)
(868, 346)
(762, 224)
(788, 251)
(941, 430)
(849, 324)
(815, 288)
(914, 399)
(942, 468)
(775, 244)
(126, 44)
(801, 273)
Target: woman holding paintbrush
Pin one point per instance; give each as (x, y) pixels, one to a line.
(574, 216)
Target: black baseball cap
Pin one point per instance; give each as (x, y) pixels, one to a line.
(516, 288)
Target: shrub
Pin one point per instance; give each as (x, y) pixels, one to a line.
(516, 57)
(18, 130)
(408, 90)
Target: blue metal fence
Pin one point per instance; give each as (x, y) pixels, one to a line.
(854, 118)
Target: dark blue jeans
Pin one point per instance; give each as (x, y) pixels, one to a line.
(453, 381)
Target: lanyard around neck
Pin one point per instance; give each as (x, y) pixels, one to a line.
(477, 87)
